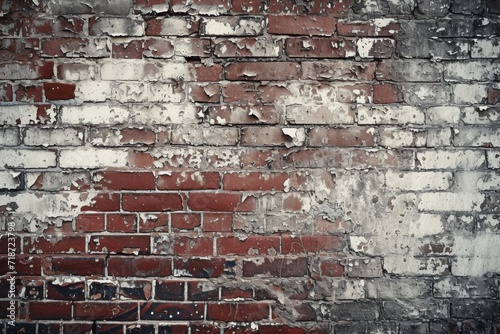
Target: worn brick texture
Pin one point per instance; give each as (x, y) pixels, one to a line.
(250, 166)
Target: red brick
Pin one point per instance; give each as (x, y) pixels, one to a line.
(252, 245)
(121, 223)
(25, 49)
(255, 181)
(90, 223)
(104, 202)
(158, 48)
(217, 222)
(50, 310)
(331, 268)
(236, 293)
(204, 93)
(200, 267)
(256, 158)
(285, 329)
(109, 311)
(173, 329)
(118, 180)
(169, 290)
(204, 73)
(193, 246)
(301, 25)
(158, 222)
(29, 93)
(139, 266)
(493, 95)
(47, 244)
(333, 47)
(189, 181)
(6, 92)
(245, 92)
(127, 50)
(262, 136)
(205, 329)
(352, 136)
(185, 221)
(79, 266)
(66, 291)
(312, 244)
(259, 71)
(276, 267)
(387, 93)
(202, 291)
(221, 202)
(151, 202)
(237, 312)
(59, 91)
(137, 244)
(26, 265)
(172, 311)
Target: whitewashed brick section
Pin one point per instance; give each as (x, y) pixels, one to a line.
(258, 47)
(134, 92)
(92, 158)
(390, 115)
(9, 137)
(53, 137)
(333, 113)
(485, 137)
(493, 158)
(447, 201)
(481, 115)
(177, 71)
(442, 159)
(118, 26)
(411, 266)
(24, 158)
(166, 92)
(471, 70)
(232, 26)
(486, 48)
(425, 94)
(176, 26)
(165, 113)
(94, 114)
(469, 94)
(486, 180)
(201, 8)
(476, 256)
(418, 181)
(9, 180)
(93, 91)
(129, 70)
(26, 115)
(196, 135)
(397, 137)
(442, 115)
(439, 137)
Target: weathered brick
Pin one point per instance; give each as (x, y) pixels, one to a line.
(259, 71)
(201, 7)
(248, 47)
(75, 47)
(122, 26)
(402, 288)
(171, 26)
(459, 159)
(337, 9)
(243, 312)
(342, 137)
(376, 27)
(123, 311)
(24, 158)
(417, 309)
(10, 137)
(27, 70)
(151, 202)
(375, 47)
(333, 47)
(253, 245)
(275, 267)
(236, 114)
(390, 115)
(92, 158)
(469, 94)
(338, 70)
(408, 70)
(64, 7)
(232, 26)
(301, 25)
(359, 310)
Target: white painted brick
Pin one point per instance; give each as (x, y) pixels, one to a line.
(232, 26)
(24, 158)
(418, 181)
(481, 115)
(201, 8)
(425, 94)
(165, 113)
(53, 137)
(92, 158)
(439, 137)
(390, 115)
(200, 135)
(493, 158)
(442, 115)
(9, 137)
(484, 137)
(484, 180)
(441, 159)
(166, 92)
(407, 265)
(93, 114)
(129, 70)
(76, 71)
(471, 70)
(258, 47)
(486, 48)
(26, 115)
(93, 91)
(467, 94)
(187, 47)
(176, 71)
(9, 180)
(476, 255)
(334, 113)
(118, 26)
(397, 137)
(129, 91)
(176, 26)
(447, 201)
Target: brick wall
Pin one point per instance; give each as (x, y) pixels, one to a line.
(250, 167)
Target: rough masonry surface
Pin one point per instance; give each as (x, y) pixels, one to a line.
(250, 166)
